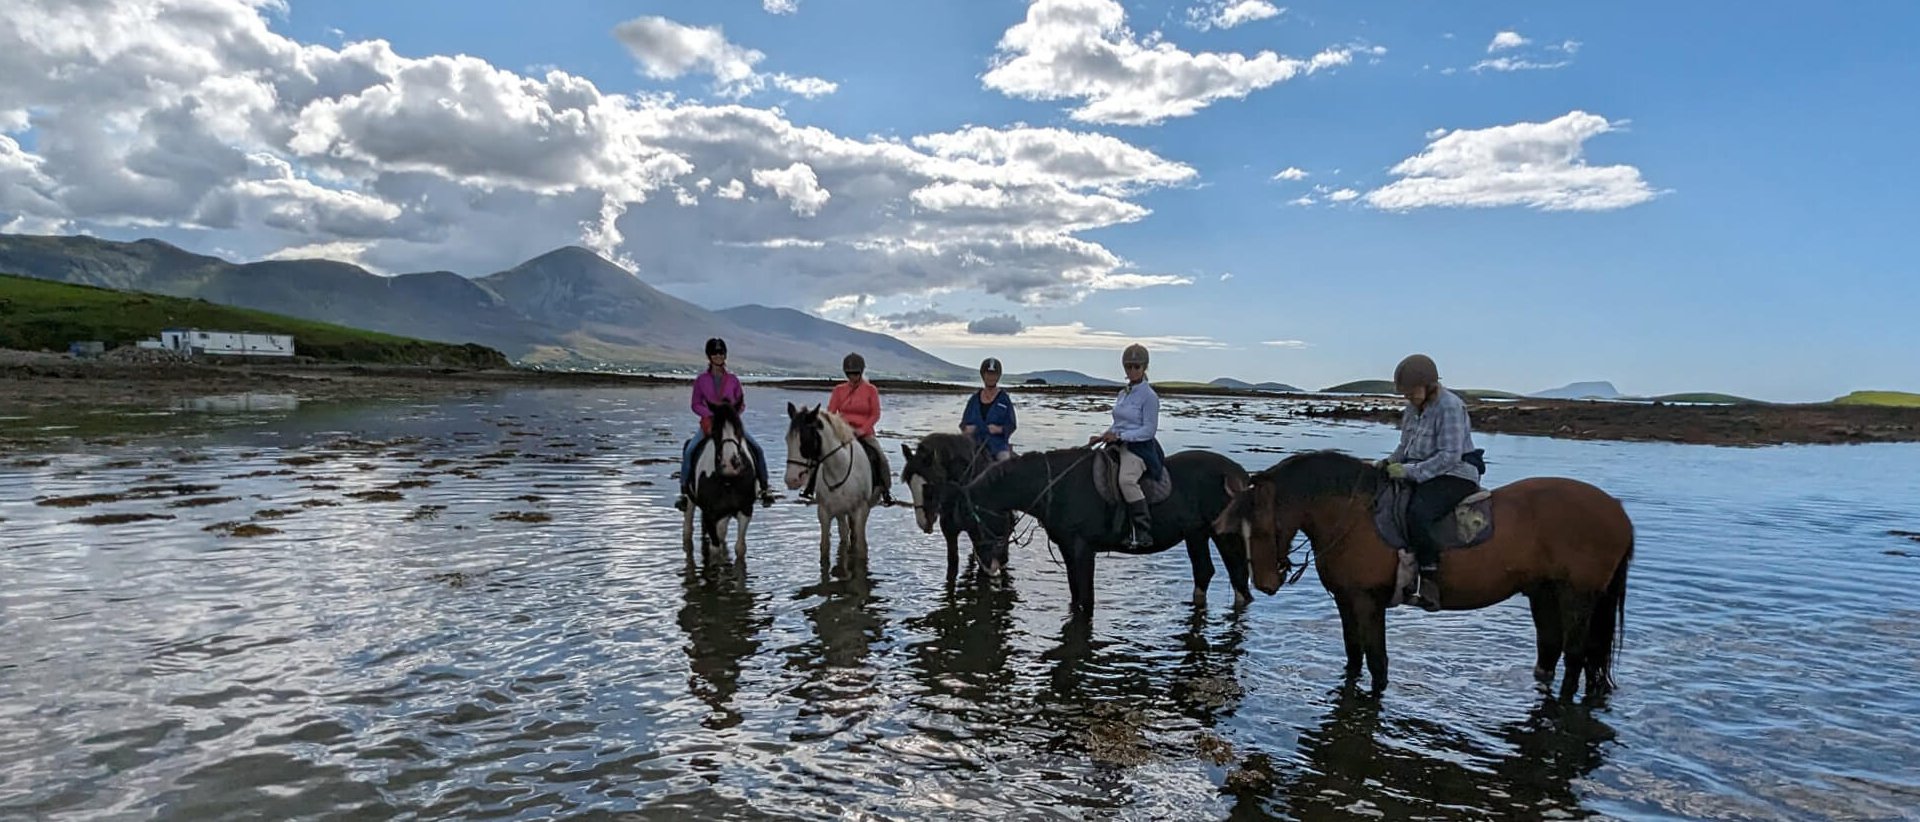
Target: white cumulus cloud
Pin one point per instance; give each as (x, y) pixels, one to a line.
(1506, 40)
(1082, 50)
(195, 120)
(668, 50)
(1225, 14)
(1290, 173)
(1537, 165)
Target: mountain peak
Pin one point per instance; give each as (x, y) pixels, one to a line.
(1596, 389)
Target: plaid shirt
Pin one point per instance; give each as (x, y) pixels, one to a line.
(1431, 441)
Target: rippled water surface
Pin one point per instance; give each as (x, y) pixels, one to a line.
(479, 607)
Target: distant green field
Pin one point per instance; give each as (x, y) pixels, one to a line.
(1900, 399)
(1488, 394)
(44, 315)
(1362, 387)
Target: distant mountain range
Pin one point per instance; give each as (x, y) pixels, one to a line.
(568, 307)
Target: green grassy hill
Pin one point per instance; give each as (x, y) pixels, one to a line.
(1362, 387)
(1900, 399)
(44, 315)
(1705, 397)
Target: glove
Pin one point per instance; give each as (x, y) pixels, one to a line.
(1397, 471)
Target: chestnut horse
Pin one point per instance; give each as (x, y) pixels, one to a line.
(1563, 543)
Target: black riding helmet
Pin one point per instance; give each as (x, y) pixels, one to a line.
(854, 364)
(716, 345)
(990, 365)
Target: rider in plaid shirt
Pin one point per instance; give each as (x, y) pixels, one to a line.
(1435, 438)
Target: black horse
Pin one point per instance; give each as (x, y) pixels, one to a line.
(935, 473)
(1056, 488)
(723, 484)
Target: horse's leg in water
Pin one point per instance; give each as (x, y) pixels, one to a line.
(1350, 633)
(1233, 553)
(1576, 608)
(686, 529)
(1202, 569)
(826, 536)
(952, 532)
(1080, 577)
(1370, 622)
(859, 520)
(740, 541)
(718, 531)
(1546, 631)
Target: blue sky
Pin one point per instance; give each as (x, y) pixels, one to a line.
(1671, 197)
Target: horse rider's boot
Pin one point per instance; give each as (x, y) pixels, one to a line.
(766, 497)
(1142, 520)
(680, 502)
(1427, 594)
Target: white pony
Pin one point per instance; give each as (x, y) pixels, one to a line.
(722, 486)
(826, 457)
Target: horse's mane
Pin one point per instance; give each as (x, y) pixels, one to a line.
(1020, 461)
(841, 428)
(723, 416)
(1322, 473)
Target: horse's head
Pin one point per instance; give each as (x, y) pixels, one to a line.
(729, 437)
(926, 476)
(1276, 504)
(936, 470)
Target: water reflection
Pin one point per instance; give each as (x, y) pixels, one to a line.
(1355, 763)
(723, 621)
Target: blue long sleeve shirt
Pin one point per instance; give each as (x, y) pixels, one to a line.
(999, 412)
(1136, 413)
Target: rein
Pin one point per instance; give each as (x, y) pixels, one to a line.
(1052, 480)
(1311, 551)
(812, 466)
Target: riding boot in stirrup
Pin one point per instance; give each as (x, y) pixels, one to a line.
(1142, 520)
(1427, 589)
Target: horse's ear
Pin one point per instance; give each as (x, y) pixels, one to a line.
(792, 411)
(907, 451)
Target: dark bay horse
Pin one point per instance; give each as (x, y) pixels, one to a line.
(1563, 543)
(1056, 488)
(935, 473)
(723, 483)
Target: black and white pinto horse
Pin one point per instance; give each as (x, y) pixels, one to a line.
(825, 455)
(722, 488)
(935, 473)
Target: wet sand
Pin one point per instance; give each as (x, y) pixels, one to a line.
(31, 380)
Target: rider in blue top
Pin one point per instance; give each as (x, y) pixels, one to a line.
(989, 417)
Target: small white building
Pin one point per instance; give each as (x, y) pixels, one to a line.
(195, 342)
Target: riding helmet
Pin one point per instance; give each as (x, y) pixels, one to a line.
(716, 345)
(1416, 371)
(1136, 354)
(990, 365)
(854, 364)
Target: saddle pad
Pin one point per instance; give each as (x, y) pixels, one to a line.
(1106, 480)
(1469, 524)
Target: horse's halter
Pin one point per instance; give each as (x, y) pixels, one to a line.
(738, 442)
(1306, 543)
(811, 465)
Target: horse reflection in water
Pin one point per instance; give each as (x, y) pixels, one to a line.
(721, 617)
(1355, 763)
(839, 690)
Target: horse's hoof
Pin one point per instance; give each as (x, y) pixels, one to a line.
(1199, 598)
(1242, 599)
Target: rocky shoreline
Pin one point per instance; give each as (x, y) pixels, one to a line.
(40, 381)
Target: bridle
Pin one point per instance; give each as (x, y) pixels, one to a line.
(811, 465)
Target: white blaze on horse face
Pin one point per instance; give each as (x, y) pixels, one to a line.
(921, 516)
(796, 468)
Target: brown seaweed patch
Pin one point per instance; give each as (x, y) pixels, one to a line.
(31, 462)
(120, 464)
(119, 519)
(1114, 736)
(80, 500)
(536, 498)
(317, 503)
(405, 484)
(201, 502)
(1212, 748)
(173, 490)
(377, 496)
(425, 512)
(240, 529)
(523, 516)
(275, 513)
(304, 460)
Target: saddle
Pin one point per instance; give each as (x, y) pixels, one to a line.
(1106, 480)
(1468, 524)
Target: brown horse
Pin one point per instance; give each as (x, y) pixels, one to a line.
(1562, 542)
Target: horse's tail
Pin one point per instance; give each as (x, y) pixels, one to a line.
(1606, 630)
